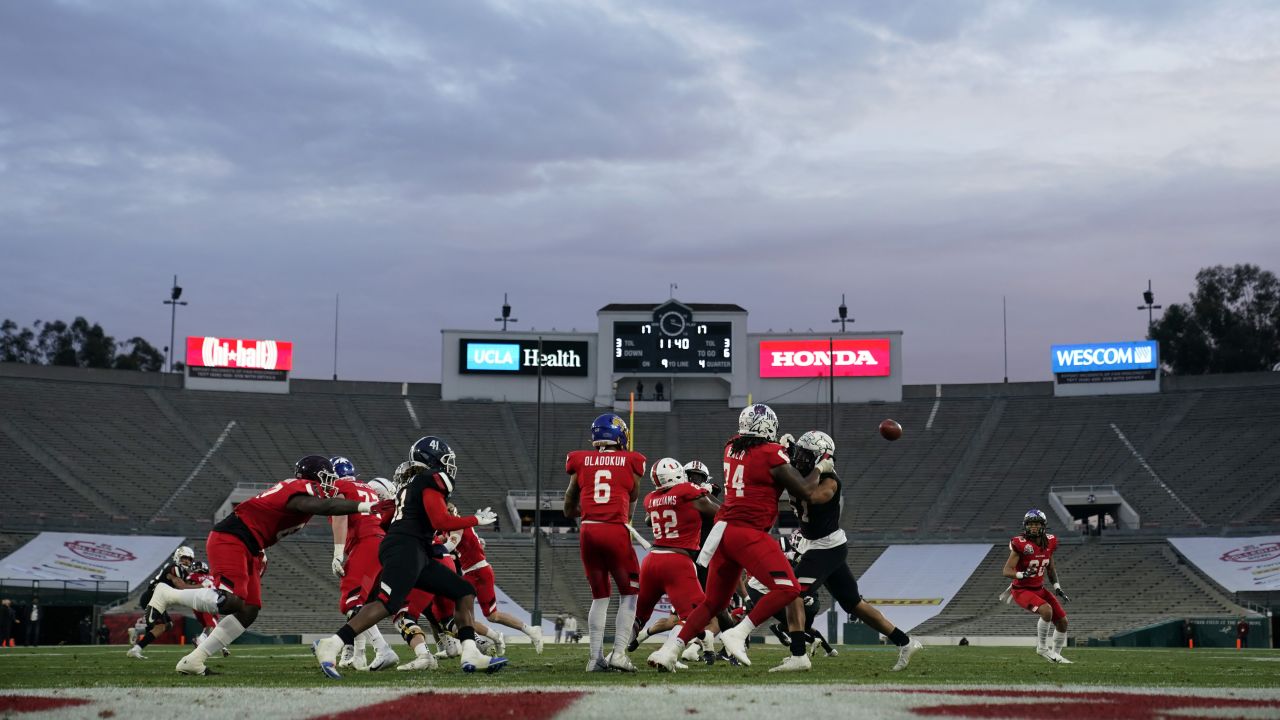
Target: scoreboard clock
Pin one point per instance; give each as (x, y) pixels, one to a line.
(672, 342)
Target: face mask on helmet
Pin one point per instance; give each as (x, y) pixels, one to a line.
(666, 473)
(809, 449)
(435, 455)
(184, 553)
(758, 420)
(1034, 523)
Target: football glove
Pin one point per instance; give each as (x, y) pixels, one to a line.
(486, 516)
(337, 563)
(787, 441)
(375, 508)
(1057, 590)
(263, 570)
(825, 466)
(1006, 596)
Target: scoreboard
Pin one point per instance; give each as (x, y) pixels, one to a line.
(672, 343)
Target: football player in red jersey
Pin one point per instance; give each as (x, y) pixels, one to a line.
(236, 558)
(756, 471)
(421, 512)
(1030, 560)
(355, 559)
(604, 485)
(675, 510)
(477, 570)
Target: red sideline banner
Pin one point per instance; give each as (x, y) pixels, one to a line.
(216, 352)
(863, 357)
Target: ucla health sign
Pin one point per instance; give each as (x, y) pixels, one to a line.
(522, 357)
(1106, 362)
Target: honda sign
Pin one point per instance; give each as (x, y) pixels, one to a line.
(863, 357)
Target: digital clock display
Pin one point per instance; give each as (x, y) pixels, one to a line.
(673, 347)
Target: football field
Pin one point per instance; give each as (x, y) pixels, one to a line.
(283, 681)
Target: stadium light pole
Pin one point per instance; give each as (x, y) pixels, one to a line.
(843, 319)
(506, 316)
(843, 312)
(537, 496)
(174, 293)
(1149, 299)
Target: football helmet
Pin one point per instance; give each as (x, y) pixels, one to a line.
(436, 455)
(809, 449)
(666, 473)
(184, 552)
(1034, 516)
(343, 467)
(200, 567)
(696, 467)
(383, 488)
(609, 429)
(758, 420)
(317, 468)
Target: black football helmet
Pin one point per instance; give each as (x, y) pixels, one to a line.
(317, 468)
(1034, 524)
(436, 455)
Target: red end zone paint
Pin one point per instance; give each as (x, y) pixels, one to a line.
(465, 706)
(29, 703)
(1037, 704)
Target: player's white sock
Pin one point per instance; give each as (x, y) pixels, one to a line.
(1042, 633)
(202, 599)
(225, 633)
(421, 649)
(528, 630)
(642, 635)
(357, 645)
(595, 625)
(374, 635)
(492, 634)
(746, 627)
(708, 640)
(624, 623)
(1059, 640)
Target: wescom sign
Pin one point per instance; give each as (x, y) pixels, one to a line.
(864, 357)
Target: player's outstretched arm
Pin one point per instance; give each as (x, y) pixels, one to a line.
(310, 505)
(825, 491)
(706, 506)
(796, 485)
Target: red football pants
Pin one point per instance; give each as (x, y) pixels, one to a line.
(743, 548)
(670, 572)
(607, 553)
(1033, 598)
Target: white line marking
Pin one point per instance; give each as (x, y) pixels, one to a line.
(199, 466)
(1143, 462)
(412, 415)
(933, 413)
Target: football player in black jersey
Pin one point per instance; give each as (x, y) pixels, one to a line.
(174, 574)
(822, 547)
(424, 484)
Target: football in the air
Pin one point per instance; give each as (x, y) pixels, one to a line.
(890, 430)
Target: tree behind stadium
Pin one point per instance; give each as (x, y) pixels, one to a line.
(1231, 324)
(78, 344)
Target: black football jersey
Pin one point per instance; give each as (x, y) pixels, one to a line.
(819, 521)
(163, 575)
(410, 518)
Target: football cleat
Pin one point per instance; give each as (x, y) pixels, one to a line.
(347, 657)
(426, 661)
(597, 664)
(135, 652)
(620, 662)
(326, 651)
(681, 666)
(359, 661)
(905, 652)
(833, 652)
(708, 657)
(1050, 655)
(1062, 659)
(536, 637)
(692, 651)
(783, 636)
(385, 658)
(473, 659)
(664, 658)
(793, 663)
(189, 665)
(735, 643)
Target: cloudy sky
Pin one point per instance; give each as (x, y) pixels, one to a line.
(423, 158)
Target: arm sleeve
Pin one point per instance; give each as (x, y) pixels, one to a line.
(433, 503)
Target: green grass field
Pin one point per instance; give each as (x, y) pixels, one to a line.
(293, 666)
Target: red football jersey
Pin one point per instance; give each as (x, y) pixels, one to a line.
(267, 517)
(1032, 559)
(360, 526)
(750, 495)
(470, 550)
(675, 521)
(605, 481)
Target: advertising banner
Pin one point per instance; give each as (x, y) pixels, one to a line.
(1106, 362)
(87, 558)
(565, 358)
(1242, 564)
(912, 583)
(862, 357)
(238, 359)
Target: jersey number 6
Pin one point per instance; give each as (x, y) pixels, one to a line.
(601, 488)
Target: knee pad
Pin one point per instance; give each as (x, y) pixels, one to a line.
(408, 629)
(154, 617)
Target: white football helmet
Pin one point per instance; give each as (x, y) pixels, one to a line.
(818, 443)
(697, 466)
(758, 420)
(666, 473)
(184, 552)
(407, 470)
(383, 488)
